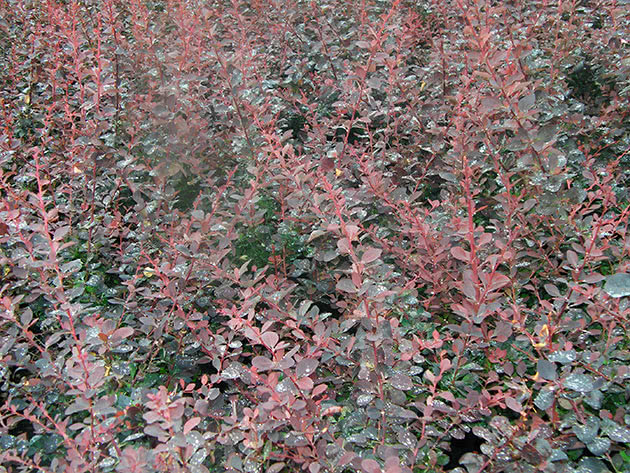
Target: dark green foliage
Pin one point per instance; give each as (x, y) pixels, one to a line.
(188, 189)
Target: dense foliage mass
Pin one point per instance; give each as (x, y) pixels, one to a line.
(326, 236)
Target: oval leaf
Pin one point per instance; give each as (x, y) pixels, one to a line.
(498, 281)
(306, 366)
(547, 370)
(122, 333)
(581, 383)
(513, 404)
(599, 446)
(618, 285)
(346, 285)
(461, 254)
(305, 384)
(262, 363)
(370, 466)
(344, 246)
(191, 424)
(401, 381)
(270, 339)
(371, 254)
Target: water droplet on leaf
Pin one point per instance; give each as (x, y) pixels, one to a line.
(581, 383)
(618, 285)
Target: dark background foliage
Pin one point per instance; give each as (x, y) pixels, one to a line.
(281, 236)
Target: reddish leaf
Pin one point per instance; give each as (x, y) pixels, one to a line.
(262, 363)
(502, 332)
(327, 164)
(468, 287)
(332, 410)
(154, 430)
(305, 384)
(344, 246)
(513, 404)
(484, 239)
(270, 339)
(61, 232)
(461, 254)
(353, 231)
(448, 396)
(370, 466)
(371, 254)
(346, 458)
(151, 417)
(276, 467)
(392, 465)
(489, 105)
(593, 278)
(552, 290)
(498, 281)
(122, 333)
(191, 424)
(306, 367)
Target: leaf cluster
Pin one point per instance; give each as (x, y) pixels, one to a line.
(379, 236)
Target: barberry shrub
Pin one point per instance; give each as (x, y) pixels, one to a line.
(372, 236)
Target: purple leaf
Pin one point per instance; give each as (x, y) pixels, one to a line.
(401, 381)
(306, 366)
(346, 285)
(459, 253)
(191, 424)
(262, 363)
(371, 254)
(370, 466)
(513, 404)
(270, 339)
(552, 290)
(122, 333)
(344, 246)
